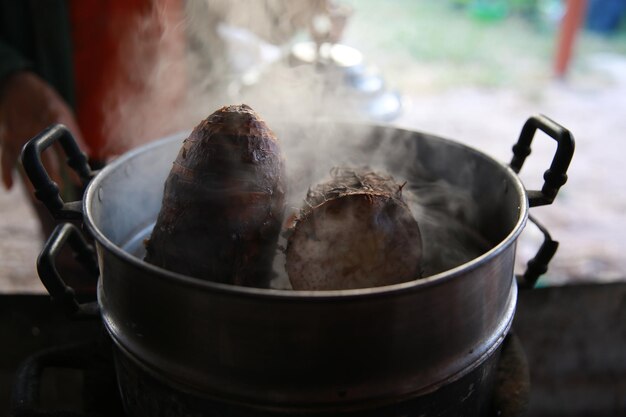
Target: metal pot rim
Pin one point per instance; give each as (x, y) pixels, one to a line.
(290, 295)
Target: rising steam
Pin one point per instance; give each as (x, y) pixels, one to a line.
(181, 86)
(183, 62)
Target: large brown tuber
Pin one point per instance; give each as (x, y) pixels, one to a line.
(355, 231)
(223, 202)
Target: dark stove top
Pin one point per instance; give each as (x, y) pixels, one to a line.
(573, 337)
(32, 325)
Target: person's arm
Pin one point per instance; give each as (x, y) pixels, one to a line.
(28, 104)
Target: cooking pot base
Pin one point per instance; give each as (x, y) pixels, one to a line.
(485, 391)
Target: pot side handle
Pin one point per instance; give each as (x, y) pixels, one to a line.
(556, 175)
(538, 265)
(46, 190)
(88, 357)
(554, 178)
(62, 294)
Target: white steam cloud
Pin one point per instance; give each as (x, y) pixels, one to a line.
(180, 86)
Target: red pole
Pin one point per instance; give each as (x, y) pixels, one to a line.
(573, 19)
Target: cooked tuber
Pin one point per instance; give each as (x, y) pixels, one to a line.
(355, 231)
(223, 202)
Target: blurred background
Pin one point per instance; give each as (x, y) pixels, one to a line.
(468, 70)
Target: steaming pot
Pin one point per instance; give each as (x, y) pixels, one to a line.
(302, 352)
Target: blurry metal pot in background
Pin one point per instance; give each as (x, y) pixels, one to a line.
(358, 86)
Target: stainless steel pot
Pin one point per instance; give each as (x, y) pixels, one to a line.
(296, 350)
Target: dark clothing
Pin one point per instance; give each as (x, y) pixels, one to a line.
(35, 35)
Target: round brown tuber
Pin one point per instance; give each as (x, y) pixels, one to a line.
(355, 231)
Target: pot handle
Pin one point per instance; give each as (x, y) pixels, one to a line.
(538, 265)
(46, 190)
(556, 175)
(90, 357)
(62, 294)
